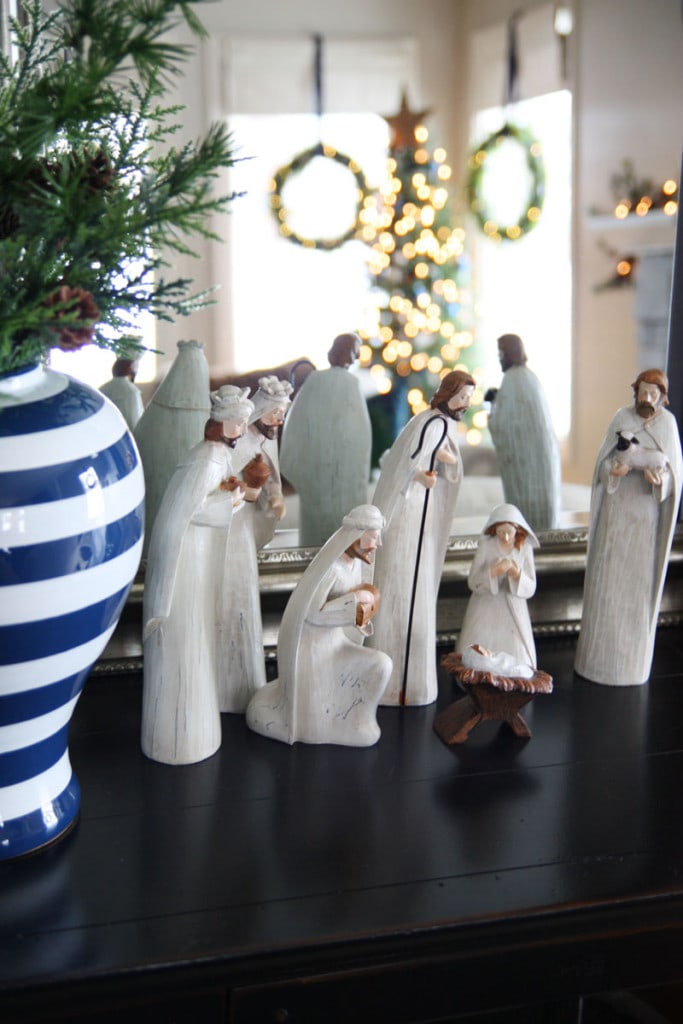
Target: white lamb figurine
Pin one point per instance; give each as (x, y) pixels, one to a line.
(630, 453)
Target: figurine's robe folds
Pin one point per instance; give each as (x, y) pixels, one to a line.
(401, 498)
(497, 616)
(628, 549)
(329, 685)
(241, 666)
(183, 586)
(325, 451)
(527, 452)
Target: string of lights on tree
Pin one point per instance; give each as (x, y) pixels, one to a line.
(424, 323)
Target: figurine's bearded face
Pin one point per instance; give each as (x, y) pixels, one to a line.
(648, 400)
(270, 422)
(366, 545)
(459, 403)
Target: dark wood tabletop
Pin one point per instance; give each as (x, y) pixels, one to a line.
(409, 881)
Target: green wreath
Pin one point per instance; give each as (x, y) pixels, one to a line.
(533, 203)
(295, 166)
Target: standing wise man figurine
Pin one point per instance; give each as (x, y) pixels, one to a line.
(417, 491)
(184, 586)
(522, 431)
(327, 443)
(329, 685)
(241, 668)
(633, 515)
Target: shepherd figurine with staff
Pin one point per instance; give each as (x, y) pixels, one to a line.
(417, 491)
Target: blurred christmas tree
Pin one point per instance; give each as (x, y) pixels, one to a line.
(424, 316)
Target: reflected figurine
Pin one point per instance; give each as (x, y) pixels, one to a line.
(329, 684)
(123, 391)
(521, 427)
(417, 492)
(241, 666)
(501, 579)
(326, 444)
(633, 515)
(187, 576)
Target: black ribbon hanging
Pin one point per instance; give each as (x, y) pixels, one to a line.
(318, 79)
(512, 62)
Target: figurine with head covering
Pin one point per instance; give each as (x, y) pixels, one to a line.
(327, 443)
(417, 492)
(501, 579)
(634, 507)
(521, 427)
(241, 664)
(184, 590)
(329, 684)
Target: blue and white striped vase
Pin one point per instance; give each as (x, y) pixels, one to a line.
(71, 532)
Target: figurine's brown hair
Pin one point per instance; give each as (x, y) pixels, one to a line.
(520, 533)
(451, 384)
(657, 377)
(513, 348)
(344, 351)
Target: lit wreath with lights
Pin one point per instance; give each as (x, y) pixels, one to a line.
(533, 203)
(295, 166)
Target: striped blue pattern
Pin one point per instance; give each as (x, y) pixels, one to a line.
(71, 531)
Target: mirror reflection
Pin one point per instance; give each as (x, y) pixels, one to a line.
(587, 327)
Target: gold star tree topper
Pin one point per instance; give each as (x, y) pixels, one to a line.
(404, 123)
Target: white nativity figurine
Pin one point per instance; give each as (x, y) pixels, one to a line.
(329, 684)
(417, 493)
(501, 580)
(327, 444)
(172, 424)
(241, 666)
(186, 579)
(521, 427)
(633, 515)
(123, 391)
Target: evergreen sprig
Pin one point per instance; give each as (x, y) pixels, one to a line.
(94, 199)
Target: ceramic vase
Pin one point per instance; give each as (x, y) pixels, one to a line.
(72, 523)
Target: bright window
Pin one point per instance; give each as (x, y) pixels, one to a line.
(289, 301)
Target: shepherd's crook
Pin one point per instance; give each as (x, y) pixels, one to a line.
(418, 555)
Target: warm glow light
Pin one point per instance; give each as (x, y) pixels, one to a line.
(415, 395)
(377, 370)
(669, 187)
(421, 270)
(405, 349)
(474, 437)
(421, 156)
(624, 268)
(421, 133)
(365, 354)
(622, 208)
(480, 419)
(435, 365)
(384, 385)
(670, 207)
(419, 361)
(444, 172)
(449, 352)
(389, 354)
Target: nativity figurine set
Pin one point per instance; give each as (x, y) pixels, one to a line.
(359, 630)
